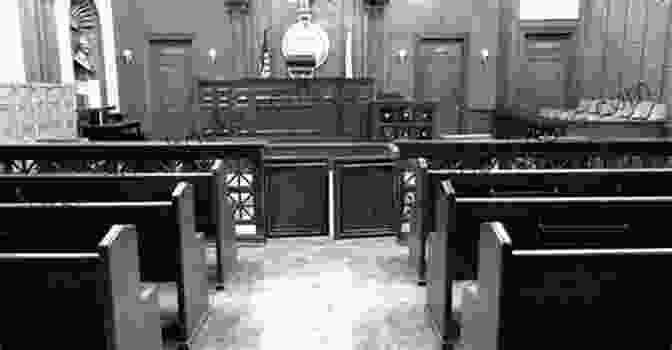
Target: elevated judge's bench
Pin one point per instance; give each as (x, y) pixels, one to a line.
(295, 109)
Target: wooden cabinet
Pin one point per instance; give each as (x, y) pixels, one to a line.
(402, 119)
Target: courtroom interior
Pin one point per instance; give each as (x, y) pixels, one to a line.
(335, 174)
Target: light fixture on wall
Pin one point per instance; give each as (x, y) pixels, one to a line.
(663, 2)
(485, 54)
(402, 56)
(212, 55)
(127, 56)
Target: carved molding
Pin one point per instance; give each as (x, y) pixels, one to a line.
(375, 4)
(85, 33)
(238, 6)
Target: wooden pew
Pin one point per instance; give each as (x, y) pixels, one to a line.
(576, 298)
(603, 222)
(90, 298)
(529, 182)
(244, 154)
(214, 215)
(169, 248)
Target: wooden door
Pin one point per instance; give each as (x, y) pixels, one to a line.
(440, 75)
(170, 79)
(546, 77)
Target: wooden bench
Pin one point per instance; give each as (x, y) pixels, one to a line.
(602, 222)
(245, 156)
(532, 182)
(169, 248)
(90, 298)
(573, 297)
(214, 215)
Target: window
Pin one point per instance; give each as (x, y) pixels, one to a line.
(549, 9)
(40, 41)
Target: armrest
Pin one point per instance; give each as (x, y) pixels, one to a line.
(149, 334)
(200, 236)
(148, 293)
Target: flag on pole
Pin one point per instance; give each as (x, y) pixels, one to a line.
(265, 59)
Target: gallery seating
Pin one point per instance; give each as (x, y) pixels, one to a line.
(547, 223)
(88, 297)
(169, 248)
(584, 298)
(214, 215)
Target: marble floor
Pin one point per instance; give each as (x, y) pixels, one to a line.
(317, 293)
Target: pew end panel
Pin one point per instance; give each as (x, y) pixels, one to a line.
(587, 298)
(480, 320)
(225, 240)
(440, 275)
(192, 283)
(135, 311)
(96, 291)
(420, 221)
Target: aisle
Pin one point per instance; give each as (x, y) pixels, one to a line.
(315, 293)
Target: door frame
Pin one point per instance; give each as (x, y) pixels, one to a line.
(464, 37)
(188, 38)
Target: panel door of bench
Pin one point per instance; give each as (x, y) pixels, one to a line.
(366, 199)
(297, 198)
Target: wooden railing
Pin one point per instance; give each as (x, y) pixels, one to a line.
(243, 160)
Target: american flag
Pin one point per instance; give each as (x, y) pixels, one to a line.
(265, 59)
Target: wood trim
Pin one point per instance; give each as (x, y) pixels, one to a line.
(550, 25)
(171, 36)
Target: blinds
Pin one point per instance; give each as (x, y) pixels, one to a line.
(40, 41)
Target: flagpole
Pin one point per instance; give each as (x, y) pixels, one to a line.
(348, 55)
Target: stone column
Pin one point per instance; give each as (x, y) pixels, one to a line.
(375, 44)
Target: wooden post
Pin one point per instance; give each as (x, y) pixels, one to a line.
(238, 11)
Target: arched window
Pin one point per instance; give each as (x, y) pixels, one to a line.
(549, 9)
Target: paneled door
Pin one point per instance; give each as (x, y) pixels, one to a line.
(546, 73)
(170, 81)
(440, 75)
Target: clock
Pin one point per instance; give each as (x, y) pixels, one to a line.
(306, 38)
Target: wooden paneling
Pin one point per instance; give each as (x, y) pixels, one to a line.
(625, 40)
(129, 32)
(635, 27)
(617, 53)
(654, 50)
(542, 71)
(592, 47)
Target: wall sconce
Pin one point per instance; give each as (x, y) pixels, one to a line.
(663, 2)
(127, 56)
(485, 54)
(212, 54)
(402, 56)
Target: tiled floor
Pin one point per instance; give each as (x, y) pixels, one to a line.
(317, 293)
